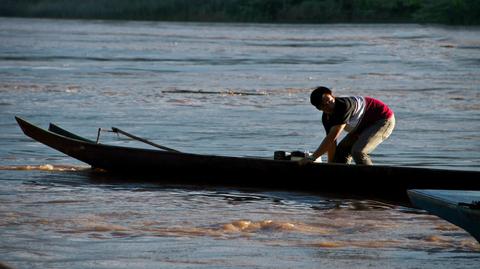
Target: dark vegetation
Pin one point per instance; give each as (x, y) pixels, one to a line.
(462, 12)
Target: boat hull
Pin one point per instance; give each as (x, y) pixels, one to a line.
(457, 207)
(380, 182)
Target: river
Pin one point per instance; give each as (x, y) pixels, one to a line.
(226, 89)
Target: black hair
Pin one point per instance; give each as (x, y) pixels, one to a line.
(316, 95)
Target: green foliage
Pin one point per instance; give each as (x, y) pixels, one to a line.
(294, 11)
(450, 11)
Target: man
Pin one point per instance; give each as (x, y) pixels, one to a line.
(368, 122)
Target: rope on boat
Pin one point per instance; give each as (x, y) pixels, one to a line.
(118, 131)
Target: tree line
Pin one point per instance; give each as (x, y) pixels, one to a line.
(461, 12)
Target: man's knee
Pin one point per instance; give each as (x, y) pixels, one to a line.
(342, 158)
(342, 154)
(361, 157)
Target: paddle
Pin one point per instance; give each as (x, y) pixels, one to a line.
(118, 131)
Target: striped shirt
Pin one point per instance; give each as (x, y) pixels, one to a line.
(356, 112)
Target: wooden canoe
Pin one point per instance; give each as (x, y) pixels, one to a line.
(461, 208)
(388, 183)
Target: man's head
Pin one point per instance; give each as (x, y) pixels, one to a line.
(323, 99)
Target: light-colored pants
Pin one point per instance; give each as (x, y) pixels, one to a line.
(359, 146)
